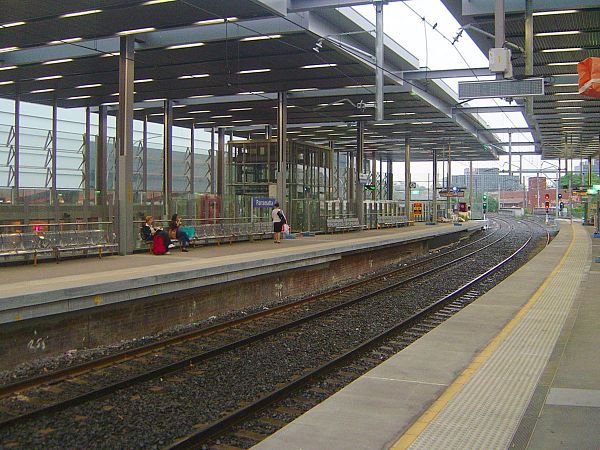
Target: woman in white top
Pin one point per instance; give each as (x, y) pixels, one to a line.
(278, 221)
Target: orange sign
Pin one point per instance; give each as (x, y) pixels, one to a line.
(418, 208)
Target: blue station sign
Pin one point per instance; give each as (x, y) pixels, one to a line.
(263, 202)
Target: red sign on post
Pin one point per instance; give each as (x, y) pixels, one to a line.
(589, 77)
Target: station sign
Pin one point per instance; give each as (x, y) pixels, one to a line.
(263, 202)
(417, 208)
(364, 178)
(452, 193)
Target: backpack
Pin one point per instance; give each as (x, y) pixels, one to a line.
(158, 245)
(281, 217)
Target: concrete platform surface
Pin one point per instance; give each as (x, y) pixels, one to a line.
(50, 288)
(445, 390)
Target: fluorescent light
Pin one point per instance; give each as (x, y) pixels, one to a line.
(86, 86)
(202, 96)
(51, 77)
(154, 100)
(558, 33)
(7, 68)
(312, 126)
(260, 38)
(251, 93)
(421, 123)
(8, 49)
(226, 116)
(156, 2)
(199, 112)
(565, 84)
(108, 55)
(383, 124)
(551, 13)
(568, 101)
(81, 13)
(215, 21)
(58, 61)
(403, 114)
(556, 50)
(156, 115)
(204, 123)
(563, 63)
(360, 115)
(569, 107)
(184, 118)
(318, 66)
(144, 80)
(136, 31)
(79, 97)
(241, 121)
(65, 41)
(4, 83)
(303, 89)
(110, 103)
(240, 109)
(572, 118)
(242, 72)
(12, 24)
(330, 104)
(189, 77)
(190, 45)
(40, 91)
(357, 86)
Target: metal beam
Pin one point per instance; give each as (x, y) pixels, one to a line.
(487, 109)
(407, 177)
(167, 156)
(125, 146)
(379, 105)
(449, 73)
(282, 149)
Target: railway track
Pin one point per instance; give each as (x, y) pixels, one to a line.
(347, 298)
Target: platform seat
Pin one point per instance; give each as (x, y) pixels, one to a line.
(344, 224)
(393, 221)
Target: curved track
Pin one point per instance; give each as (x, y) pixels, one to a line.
(275, 324)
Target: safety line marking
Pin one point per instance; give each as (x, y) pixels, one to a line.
(413, 432)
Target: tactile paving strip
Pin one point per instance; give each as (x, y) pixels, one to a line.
(485, 413)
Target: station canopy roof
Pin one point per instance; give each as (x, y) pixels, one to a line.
(222, 64)
(564, 32)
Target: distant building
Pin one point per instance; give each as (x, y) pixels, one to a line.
(488, 180)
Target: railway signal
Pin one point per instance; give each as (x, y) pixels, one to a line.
(547, 202)
(484, 205)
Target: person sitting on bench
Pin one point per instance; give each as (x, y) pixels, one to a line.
(149, 231)
(176, 233)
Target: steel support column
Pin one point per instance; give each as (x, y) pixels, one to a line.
(471, 202)
(374, 177)
(167, 157)
(390, 180)
(125, 146)
(448, 180)
(407, 177)
(379, 60)
(221, 163)
(145, 155)
(17, 148)
(212, 171)
(529, 52)
(510, 154)
(360, 157)
(53, 184)
(101, 151)
(282, 149)
(87, 160)
(434, 191)
(499, 30)
(192, 159)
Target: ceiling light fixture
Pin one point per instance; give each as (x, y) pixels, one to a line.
(189, 77)
(86, 86)
(243, 72)
(12, 24)
(199, 112)
(571, 63)
(144, 80)
(303, 89)
(557, 50)
(260, 38)
(557, 33)
(65, 41)
(552, 13)
(7, 68)
(251, 93)
(241, 121)
(154, 100)
(225, 116)
(51, 77)
(216, 21)
(156, 2)
(40, 91)
(202, 96)
(240, 109)
(8, 49)
(190, 45)
(108, 55)
(136, 31)
(318, 66)
(57, 61)
(79, 97)
(4, 83)
(421, 123)
(81, 13)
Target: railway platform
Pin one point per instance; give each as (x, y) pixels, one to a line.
(95, 301)
(515, 369)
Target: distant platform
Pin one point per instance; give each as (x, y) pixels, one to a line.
(518, 368)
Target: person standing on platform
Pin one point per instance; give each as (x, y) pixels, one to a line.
(279, 221)
(176, 233)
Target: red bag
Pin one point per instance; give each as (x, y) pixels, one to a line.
(158, 245)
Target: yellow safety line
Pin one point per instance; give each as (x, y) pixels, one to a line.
(409, 437)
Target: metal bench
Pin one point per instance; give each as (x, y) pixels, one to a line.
(393, 221)
(344, 224)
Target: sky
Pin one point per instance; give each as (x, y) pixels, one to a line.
(410, 24)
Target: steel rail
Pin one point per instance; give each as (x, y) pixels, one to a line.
(106, 361)
(185, 362)
(217, 427)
